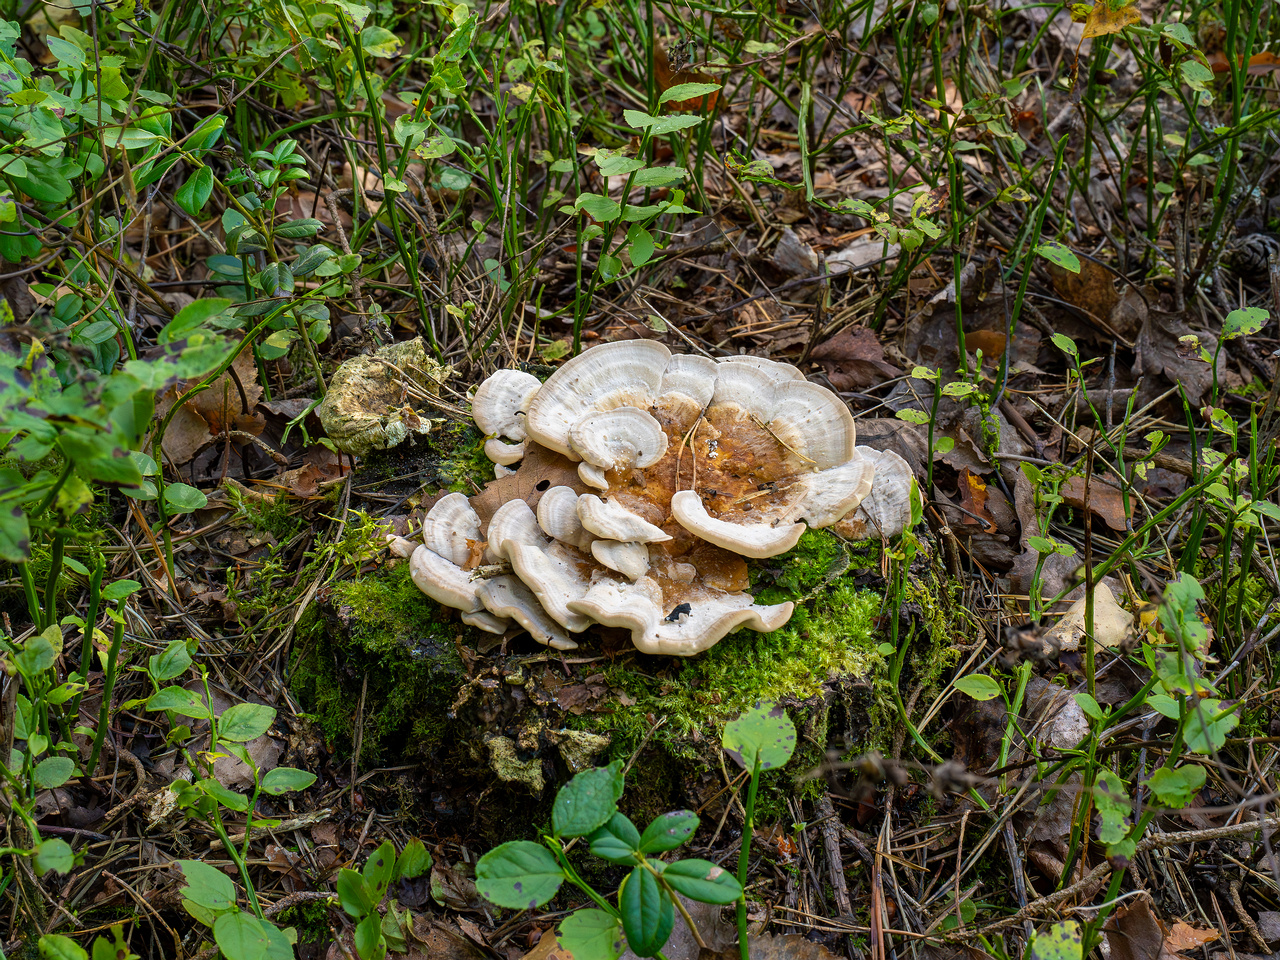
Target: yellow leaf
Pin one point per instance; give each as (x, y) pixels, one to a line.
(1104, 18)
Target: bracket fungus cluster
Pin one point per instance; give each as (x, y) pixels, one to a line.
(685, 467)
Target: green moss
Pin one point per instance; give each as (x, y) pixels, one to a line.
(310, 918)
(466, 469)
(379, 630)
(273, 515)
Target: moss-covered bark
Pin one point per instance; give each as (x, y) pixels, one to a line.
(533, 716)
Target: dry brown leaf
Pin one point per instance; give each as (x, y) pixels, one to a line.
(854, 359)
(973, 499)
(1105, 501)
(1259, 63)
(1183, 937)
(1092, 290)
(1161, 348)
(990, 342)
(538, 472)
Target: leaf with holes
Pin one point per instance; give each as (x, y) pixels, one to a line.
(764, 735)
(1058, 253)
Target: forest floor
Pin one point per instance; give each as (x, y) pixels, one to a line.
(1035, 248)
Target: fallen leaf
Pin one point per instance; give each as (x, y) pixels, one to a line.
(1259, 63)
(990, 342)
(1112, 623)
(1105, 501)
(854, 360)
(1092, 290)
(1106, 18)
(539, 471)
(973, 499)
(1182, 937)
(1161, 349)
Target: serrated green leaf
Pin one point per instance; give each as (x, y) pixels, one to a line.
(587, 801)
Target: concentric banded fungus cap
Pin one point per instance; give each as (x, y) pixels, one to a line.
(498, 408)
(558, 518)
(515, 522)
(610, 520)
(886, 510)
(451, 528)
(507, 597)
(629, 559)
(500, 401)
(688, 628)
(619, 438)
(621, 374)
(698, 463)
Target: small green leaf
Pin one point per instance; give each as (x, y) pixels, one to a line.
(601, 209)
(224, 795)
(240, 937)
(764, 734)
(53, 772)
(587, 801)
(591, 933)
(245, 721)
(180, 701)
(687, 91)
(648, 915)
(120, 589)
(680, 121)
(641, 245)
(1062, 941)
(702, 880)
(195, 192)
(369, 941)
(519, 875)
(172, 662)
(618, 841)
(1058, 253)
(207, 886)
(379, 869)
(979, 686)
(1089, 706)
(1113, 805)
(1065, 344)
(414, 860)
(659, 176)
(1177, 788)
(354, 894)
(1244, 322)
(1205, 731)
(668, 831)
(379, 42)
(297, 229)
(54, 946)
(53, 856)
(286, 780)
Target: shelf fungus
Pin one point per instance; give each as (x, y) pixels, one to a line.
(685, 467)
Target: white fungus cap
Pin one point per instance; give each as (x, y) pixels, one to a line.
(679, 632)
(500, 401)
(743, 453)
